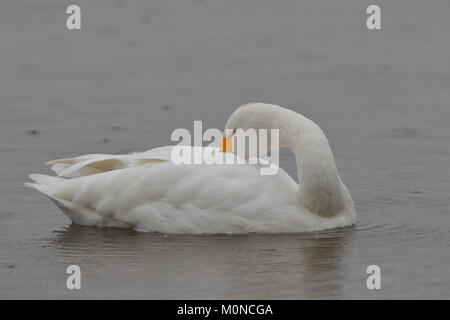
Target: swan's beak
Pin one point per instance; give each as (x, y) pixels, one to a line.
(226, 145)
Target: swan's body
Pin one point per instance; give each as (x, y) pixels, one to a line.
(148, 192)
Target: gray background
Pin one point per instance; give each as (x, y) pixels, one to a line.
(139, 69)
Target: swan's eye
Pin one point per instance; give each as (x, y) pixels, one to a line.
(234, 131)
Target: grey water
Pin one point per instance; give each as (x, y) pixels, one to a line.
(139, 69)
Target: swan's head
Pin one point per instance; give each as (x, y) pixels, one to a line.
(255, 116)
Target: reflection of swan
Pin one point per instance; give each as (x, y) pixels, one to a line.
(107, 246)
(287, 266)
(323, 273)
(149, 192)
(264, 266)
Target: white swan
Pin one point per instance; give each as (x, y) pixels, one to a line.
(147, 192)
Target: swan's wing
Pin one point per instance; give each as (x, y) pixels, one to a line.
(97, 163)
(92, 166)
(59, 165)
(160, 154)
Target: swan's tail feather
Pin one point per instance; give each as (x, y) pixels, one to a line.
(44, 183)
(77, 213)
(43, 188)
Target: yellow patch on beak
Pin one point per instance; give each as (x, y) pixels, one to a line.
(226, 144)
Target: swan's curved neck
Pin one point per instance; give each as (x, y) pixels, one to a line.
(320, 187)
